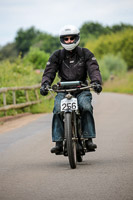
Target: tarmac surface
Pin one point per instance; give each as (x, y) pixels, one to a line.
(28, 171)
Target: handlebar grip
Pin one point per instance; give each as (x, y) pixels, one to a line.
(54, 87)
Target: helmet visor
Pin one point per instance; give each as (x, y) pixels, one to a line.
(72, 38)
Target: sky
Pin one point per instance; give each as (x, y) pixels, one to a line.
(50, 15)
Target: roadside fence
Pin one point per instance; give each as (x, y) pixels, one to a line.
(16, 105)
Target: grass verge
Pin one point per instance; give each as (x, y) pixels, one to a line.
(120, 84)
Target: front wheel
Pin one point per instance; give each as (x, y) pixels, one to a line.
(71, 144)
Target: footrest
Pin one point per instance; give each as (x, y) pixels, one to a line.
(59, 153)
(90, 150)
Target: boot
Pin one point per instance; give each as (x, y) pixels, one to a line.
(89, 145)
(58, 147)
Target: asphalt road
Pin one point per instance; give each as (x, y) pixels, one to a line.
(28, 171)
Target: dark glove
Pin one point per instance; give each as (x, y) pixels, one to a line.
(44, 89)
(97, 87)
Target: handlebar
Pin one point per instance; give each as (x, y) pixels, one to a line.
(78, 84)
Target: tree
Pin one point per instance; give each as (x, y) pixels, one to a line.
(46, 42)
(120, 27)
(91, 30)
(8, 52)
(24, 39)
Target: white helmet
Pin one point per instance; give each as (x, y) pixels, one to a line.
(68, 30)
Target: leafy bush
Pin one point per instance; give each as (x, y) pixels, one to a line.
(120, 42)
(111, 65)
(37, 58)
(18, 74)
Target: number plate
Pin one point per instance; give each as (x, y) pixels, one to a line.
(69, 104)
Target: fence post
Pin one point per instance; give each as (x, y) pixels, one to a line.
(36, 93)
(27, 95)
(14, 97)
(4, 102)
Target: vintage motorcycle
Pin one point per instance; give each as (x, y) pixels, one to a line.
(73, 144)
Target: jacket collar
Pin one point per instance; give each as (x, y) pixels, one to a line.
(71, 53)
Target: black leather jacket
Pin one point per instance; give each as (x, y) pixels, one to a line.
(72, 66)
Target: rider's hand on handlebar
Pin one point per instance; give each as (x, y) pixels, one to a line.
(44, 89)
(97, 87)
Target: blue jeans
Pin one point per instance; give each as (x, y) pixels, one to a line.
(86, 110)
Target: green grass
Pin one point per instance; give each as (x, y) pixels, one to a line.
(120, 84)
(45, 107)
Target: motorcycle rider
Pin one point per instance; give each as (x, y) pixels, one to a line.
(72, 63)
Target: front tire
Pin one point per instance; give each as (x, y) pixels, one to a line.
(71, 144)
